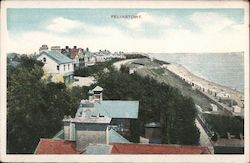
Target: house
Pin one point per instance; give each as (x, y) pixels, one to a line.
(89, 59)
(87, 134)
(91, 131)
(66, 51)
(229, 145)
(94, 122)
(100, 57)
(77, 55)
(48, 146)
(57, 67)
(122, 112)
(236, 109)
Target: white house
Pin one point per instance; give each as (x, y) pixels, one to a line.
(236, 109)
(100, 58)
(57, 66)
(89, 59)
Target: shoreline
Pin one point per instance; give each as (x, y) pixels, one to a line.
(201, 83)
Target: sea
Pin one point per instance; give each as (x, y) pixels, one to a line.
(223, 68)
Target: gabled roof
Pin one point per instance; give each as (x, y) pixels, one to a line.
(59, 135)
(157, 149)
(98, 88)
(58, 57)
(118, 108)
(115, 137)
(50, 146)
(73, 53)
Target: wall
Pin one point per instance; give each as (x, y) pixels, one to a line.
(90, 133)
(152, 133)
(66, 130)
(67, 69)
(51, 66)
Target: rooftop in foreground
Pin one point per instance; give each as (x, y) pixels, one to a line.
(157, 149)
(50, 146)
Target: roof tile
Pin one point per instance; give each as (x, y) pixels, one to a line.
(50, 146)
(157, 149)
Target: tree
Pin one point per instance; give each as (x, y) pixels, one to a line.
(158, 102)
(35, 107)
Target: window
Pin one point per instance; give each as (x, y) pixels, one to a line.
(44, 59)
(68, 66)
(64, 67)
(57, 67)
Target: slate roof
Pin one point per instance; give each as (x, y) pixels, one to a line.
(50, 146)
(58, 57)
(115, 137)
(59, 135)
(98, 149)
(118, 108)
(157, 149)
(73, 53)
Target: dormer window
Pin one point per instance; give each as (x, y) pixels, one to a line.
(44, 59)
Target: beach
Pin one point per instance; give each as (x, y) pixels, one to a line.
(206, 86)
(205, 93)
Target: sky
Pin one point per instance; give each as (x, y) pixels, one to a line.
(157, 30)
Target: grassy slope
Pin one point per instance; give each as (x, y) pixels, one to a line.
(171, 79)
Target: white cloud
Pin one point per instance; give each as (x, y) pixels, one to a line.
(136, 24)
(211, 22)
(217, 34)
(62, 25)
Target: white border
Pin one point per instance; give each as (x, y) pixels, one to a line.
(118, 158)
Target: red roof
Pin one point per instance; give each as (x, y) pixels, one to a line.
(50, 146)
(157, 149)
(73, 53)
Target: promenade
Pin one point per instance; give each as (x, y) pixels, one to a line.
(210, 89)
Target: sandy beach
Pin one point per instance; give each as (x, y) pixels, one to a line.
(201, 83)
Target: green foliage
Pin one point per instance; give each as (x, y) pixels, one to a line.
(35, 107)
(223, 124)
(95, 69)
(159, 71)
(158, 102)
(124, 69)
(134, 56)
(160, 62)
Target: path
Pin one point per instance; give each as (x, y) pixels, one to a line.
(119, 63)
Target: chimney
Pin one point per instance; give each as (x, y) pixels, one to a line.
(91, 95)
(107, 135)
(98, 93)
(72, 132)
(66, 129)
(75, 47)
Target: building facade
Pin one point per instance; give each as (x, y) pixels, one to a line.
(58, 67)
